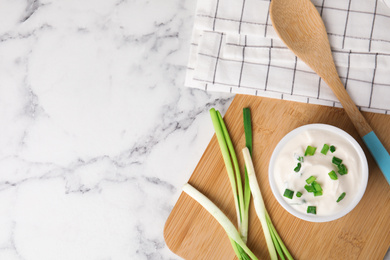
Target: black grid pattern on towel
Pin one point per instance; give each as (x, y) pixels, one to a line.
(224, 77)
(291, 86)
(347, 12)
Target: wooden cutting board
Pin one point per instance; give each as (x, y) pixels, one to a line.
(192, 233)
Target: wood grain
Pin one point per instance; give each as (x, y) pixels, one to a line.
(192, 233)
(302, 29)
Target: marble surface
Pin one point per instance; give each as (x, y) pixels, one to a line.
(98, 133)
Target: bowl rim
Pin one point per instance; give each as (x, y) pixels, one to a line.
(363, 183)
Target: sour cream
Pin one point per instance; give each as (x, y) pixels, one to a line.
(319, 165)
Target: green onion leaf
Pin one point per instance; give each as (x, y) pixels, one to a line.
(318, 193)
(310, 150)
(336, 160)
(299, 194)
(248, 128)
(275, 241)
(341, 197)
(288, 193)
(342, 169)
(312, 209)
(300, 158)
(332, 149)
(278, 240)
(332, 174)
(309, 188)
(298, 168)
(240, 252)
(310, 179)
(325, 149)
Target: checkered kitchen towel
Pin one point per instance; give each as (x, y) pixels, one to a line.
(235, 49)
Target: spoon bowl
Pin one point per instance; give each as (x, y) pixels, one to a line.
(301, 28)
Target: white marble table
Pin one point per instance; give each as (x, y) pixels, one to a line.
(97, 132)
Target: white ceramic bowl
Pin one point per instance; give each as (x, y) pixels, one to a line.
(352, 203)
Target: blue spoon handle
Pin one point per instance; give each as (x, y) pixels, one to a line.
(379, 153)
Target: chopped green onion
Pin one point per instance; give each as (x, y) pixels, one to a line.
(298, 168)
(316, 186)
(341, 197)
(299, 194)
(288, 193)
(332, 149)
(312, 209)
(325, 149)
(309, 188)
(336, 160)
(310, 179)
(342, 169)
(332, 174)
(318, 193)
(300, 158)
(310, 150)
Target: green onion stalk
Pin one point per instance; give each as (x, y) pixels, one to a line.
(272, 238)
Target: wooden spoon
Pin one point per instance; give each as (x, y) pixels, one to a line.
(300, 26)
